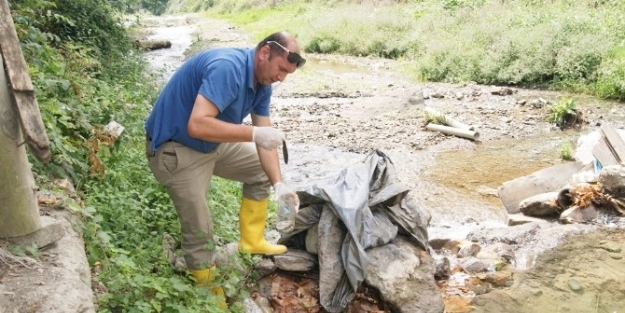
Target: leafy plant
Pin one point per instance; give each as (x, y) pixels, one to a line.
(564, 113)
(566, 151)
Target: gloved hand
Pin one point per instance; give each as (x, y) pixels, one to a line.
(288, 204)
(267, 137)
(283, 194)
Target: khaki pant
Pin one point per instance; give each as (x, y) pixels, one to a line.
(187, 173)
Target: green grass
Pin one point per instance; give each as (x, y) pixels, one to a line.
(566, 151)
(561, 44)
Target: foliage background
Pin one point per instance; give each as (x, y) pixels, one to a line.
(568, 45)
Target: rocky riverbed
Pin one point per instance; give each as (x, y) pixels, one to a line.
(337, 109)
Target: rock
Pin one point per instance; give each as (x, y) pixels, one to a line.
(477, 285)
(397, 270)
(538, 103)
(610, 247)
(520, 218)
(295, 261)
(468, 249)
(265, 267)
(60, 283)
(474, 265)
(438, 243)
(543, 204)
(497, 251)
(453, 246)
(529, 239)
(577, 214)
(503, 91)
(416, 98)
(498, 279)
(443, 269)
(575, 286)
(50, 232)
(612, 179)
(251, 307)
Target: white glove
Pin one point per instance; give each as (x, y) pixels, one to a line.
(267, 137)
(283, 194)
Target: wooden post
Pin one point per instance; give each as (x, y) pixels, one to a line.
(23, 92)
(19, 211)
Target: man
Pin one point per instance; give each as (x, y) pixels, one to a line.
(195, 131)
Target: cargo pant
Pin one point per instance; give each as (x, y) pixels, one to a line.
(186, 174)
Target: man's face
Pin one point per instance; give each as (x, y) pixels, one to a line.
(273, 66)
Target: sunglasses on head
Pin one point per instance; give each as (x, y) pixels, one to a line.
(292, 57)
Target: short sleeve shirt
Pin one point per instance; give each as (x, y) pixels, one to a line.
(225, 76)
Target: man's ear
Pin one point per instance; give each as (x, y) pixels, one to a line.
(264, 53)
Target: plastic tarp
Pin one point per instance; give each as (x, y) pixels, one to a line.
(364, 207)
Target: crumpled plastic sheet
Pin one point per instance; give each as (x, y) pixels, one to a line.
(369, 206)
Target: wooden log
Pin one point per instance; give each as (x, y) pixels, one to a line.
(464, 133)
(549, 179)
(23, 93)
(19, 211)
(152, 44)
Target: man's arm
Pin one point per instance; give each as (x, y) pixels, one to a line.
(268, 158)
(204, 125)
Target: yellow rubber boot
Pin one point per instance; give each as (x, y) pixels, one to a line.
(252, 218)
(206, 278)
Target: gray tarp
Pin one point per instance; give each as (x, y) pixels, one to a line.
(366, 206)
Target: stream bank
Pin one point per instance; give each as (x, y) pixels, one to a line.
(338, 108)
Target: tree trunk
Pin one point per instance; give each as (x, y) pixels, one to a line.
(19, 211)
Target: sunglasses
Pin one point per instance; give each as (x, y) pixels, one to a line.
(292, 57)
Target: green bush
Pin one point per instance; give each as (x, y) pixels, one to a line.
(562, 44)
(125, 211)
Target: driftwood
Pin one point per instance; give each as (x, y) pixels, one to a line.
(152, 44)
(23, 93)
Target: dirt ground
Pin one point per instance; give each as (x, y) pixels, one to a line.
(338, 108)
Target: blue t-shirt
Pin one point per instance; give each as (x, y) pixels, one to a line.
(225, 76)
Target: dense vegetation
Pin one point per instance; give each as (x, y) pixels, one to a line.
(87, 74)
(574, 45)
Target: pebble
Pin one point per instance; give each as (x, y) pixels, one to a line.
(611, 247)
(616, 256)
(574, 284)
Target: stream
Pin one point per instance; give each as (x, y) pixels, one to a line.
(338, 108)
